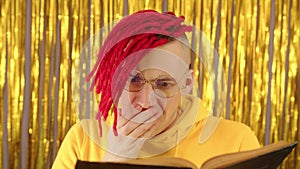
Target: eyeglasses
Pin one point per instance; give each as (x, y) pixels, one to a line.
(163, 86)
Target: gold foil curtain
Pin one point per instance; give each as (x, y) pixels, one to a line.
(257, 40)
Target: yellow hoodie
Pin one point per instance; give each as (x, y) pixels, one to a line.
(195, 141)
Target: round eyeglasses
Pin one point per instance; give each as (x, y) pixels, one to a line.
(163, 86)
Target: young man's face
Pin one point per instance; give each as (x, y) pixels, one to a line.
(151, 100)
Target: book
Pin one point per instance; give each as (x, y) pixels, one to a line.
(267, 157)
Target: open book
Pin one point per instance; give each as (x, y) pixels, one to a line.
(267, 157)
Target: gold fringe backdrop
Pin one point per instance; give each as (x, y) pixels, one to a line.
(257, 40)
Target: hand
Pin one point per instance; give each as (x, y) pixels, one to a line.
(139, 126)
(134, 126)
(130, 139)
(136, 121)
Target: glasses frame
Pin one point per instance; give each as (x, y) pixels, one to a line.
(155, 89)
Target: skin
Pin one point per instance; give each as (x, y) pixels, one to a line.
(167, 109)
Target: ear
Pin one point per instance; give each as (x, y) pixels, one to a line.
(188, 84)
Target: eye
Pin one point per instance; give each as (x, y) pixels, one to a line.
(135, 81)
(165, 83)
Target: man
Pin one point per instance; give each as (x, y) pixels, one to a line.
(143, 75)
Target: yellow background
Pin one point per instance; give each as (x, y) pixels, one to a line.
(42, 39)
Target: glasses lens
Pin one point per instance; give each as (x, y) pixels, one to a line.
(135, 82)
(166, 86)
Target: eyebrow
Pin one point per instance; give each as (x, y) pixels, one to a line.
(165, 77)
(162, 77)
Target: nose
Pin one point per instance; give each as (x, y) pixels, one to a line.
(143, 97)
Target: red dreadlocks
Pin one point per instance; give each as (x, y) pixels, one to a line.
(139, 31)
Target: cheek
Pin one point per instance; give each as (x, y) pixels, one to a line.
(131, 96)
(172, 105)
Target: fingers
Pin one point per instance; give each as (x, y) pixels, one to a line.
(142, 131)
(146, 116)
(122, 146)
(138, 126)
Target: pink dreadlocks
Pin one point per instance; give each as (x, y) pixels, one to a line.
(142, 30)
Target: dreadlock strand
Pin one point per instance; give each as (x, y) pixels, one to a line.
(130, 35)
(136, 45)
(183, 30)
(109, 66)
(134, 62)
(100, 73)
(107, 108)
(115, 120)
(103, 111)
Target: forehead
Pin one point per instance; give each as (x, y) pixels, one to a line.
(166, 59)
(151, 74)
(180, 48)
